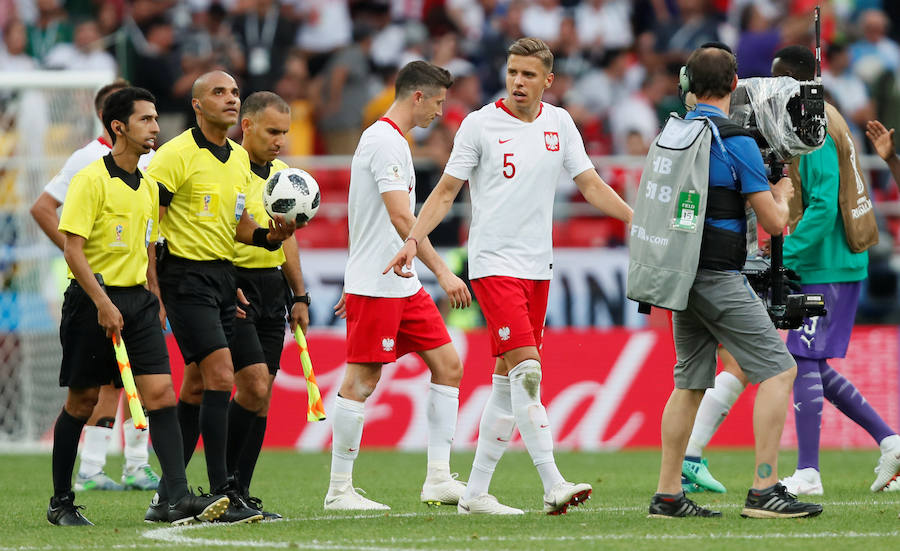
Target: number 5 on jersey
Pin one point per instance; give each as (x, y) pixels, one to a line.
(509, 169)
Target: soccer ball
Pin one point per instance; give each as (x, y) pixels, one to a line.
(292, 193)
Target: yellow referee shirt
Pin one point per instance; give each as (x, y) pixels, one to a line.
(117, 213)
(208, 183)
(248, 256)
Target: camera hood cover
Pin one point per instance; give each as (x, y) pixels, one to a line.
(784, 115)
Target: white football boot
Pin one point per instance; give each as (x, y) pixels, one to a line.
(804, 482)
(346, 498)
(485, 504)
(564, 494)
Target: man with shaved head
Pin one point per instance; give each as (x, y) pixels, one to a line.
(203, 178)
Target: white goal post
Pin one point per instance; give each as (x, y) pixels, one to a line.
(44, 117)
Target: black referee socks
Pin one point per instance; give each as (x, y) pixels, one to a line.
(66, 434)
(167, 444)
(240, 421)
(214, 428)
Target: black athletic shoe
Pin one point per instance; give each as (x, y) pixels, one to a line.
(202, 508)
(666, 506)
(777, 502)
(63, 512)
(158, 510)
(238, 511)
(257, 504)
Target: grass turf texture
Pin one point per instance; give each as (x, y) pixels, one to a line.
(294, 485)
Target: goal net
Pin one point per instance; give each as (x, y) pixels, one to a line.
(44, 117)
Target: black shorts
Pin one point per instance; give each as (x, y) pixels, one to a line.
(200, 303)
(88, 358)
(259, 338)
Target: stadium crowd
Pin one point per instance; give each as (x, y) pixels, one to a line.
(335, 60)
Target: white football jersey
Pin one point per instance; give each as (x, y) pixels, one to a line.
(382, 162)
(513, 168)
(96, 149)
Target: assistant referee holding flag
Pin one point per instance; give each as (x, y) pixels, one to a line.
(110, 223)
(203, 178)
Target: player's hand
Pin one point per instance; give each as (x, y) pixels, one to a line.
(403, 259)
(110, 319)
(783, 189)
(239, 312)
(882, 139)
(299, 316)
(280, 229)
(456, 290)
(340, 309)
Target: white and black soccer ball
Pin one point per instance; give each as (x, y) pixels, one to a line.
(292, 193)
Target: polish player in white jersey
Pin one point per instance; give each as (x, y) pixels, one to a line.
(388, 317)
(512, 152)
(136, 473)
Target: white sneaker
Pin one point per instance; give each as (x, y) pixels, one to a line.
(564, 494)
(142, 478)
(888, 466)
(804, 482)
(485, 504)
(442, 492)
(99, 481)
(348, 499)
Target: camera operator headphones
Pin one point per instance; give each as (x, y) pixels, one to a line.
(684, 76)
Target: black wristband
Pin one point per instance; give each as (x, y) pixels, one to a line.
(304, 298)
(259, 239)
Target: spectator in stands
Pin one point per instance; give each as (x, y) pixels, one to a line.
(294, 88)
(600, 87)
(542, 19)
(759, 39)
(848, 92)
(266, 35)
(50, 28)
(86, 53)
(637, 113)
(688, 31)
(569, 57)
(504, 28)
(13, 56)
(209, 41)
(604, 24)
(160, 70)
(874, 53)
(325, 28)
(345, 91)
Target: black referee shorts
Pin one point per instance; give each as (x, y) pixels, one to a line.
(200, 303)
(259, 338)
(88, 358)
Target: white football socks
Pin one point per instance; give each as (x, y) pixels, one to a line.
(347, 431)
(532, 421)
(136, 453)
(93, 453)
(714, 407)
(494, 433)
(443, 405)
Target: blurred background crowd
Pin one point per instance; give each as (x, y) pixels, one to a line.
(334, 61)
(616, 67)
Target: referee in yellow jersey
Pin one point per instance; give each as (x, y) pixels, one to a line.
(110, 222)
(272, 284)
(203, 178)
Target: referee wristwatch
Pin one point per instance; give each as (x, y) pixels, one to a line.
(304, 298)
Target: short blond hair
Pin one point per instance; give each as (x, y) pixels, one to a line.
(533, 47)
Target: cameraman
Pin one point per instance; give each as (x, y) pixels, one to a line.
(723, 308)
(818, 251)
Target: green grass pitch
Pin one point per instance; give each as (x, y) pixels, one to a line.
(294, 485)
